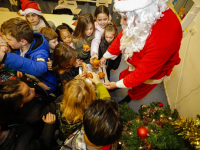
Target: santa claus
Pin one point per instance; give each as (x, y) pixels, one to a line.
(150, 41)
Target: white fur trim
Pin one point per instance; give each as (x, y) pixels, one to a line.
(156, 81)
(131, 68)
(31, 10)
(108, 55)
(131, 5)
(120, 84)
(21, 12)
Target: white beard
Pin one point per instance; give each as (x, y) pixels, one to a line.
(139, 25)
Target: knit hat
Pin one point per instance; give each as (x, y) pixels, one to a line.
(29, 7)
(131, 5)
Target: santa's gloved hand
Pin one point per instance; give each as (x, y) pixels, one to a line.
(102, 61)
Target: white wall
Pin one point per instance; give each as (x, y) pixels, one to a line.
(183, 89)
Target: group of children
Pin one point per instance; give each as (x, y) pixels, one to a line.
(47, 57)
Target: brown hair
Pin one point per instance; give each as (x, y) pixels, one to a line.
(64, 57)
(102, 122)
(101, 9)
(10, 100)
(82, 24)
(110, 27)
(48, 33)
(78, 95)
(47, 24)
(18, 28)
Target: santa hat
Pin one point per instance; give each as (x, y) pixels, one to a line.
(29, 7)
(131, 5)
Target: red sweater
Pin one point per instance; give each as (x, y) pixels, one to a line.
(157, 59)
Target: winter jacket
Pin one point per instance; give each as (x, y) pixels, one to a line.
(67, 76)
(85, 56)
(34, 61)
(23, 137)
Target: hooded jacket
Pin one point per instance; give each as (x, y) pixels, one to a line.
(34, 61)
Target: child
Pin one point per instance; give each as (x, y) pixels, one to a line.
(102, 124)
(83, 35)
(5, 73)
(22, 103)
(110, 33)
(65, 63)
(65, 33)
(18, 105)
(101, 16)
(102, 127)
(52, 38)
(34, 16)
(24, 136)
(77, 96)
(32, 52)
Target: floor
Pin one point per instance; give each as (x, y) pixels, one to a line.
(156, 95)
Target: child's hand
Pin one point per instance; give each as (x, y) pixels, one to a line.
(19, 74)
(84, 67)
(86, 50)
(112, 70)
(44, 86)
(49, 64)
(95, 56)
(83, 75)
(95, 78)
(78, 63)
(50, 118)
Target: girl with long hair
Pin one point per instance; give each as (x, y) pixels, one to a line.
(83, 36)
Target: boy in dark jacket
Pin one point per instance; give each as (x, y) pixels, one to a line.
(32, 50)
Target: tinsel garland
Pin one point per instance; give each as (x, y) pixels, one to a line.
(166, 129)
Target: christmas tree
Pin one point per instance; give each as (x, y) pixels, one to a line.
(156, 127)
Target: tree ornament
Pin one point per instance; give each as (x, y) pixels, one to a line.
(142, 132)
(143, 106)
(160, 104)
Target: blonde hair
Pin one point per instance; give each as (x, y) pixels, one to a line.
(110, 27)
(48, 33)
(78, 95)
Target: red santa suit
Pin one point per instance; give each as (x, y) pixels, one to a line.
(155, 61)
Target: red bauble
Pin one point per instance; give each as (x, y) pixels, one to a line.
(160, 104)
(142, 132)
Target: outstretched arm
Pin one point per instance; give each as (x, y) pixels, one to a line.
(36, 66)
